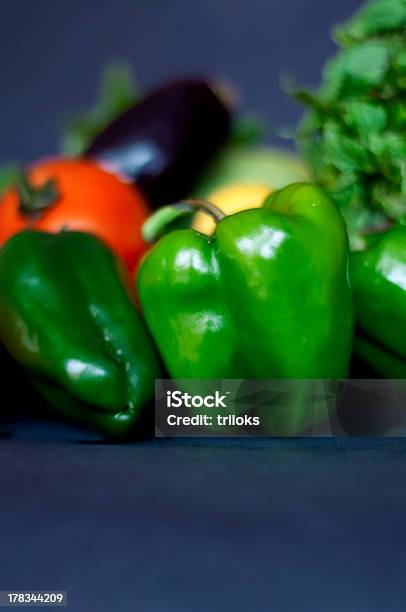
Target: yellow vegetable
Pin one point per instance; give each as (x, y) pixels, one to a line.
(230, 200)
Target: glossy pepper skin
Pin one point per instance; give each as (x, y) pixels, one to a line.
(378, 279)
(68, 318)
(266, 297)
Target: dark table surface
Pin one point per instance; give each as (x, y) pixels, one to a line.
(316, 525)
(307, 525)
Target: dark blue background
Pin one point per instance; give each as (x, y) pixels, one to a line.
(303, 526)
(51, 54)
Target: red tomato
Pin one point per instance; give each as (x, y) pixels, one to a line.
(89, 199)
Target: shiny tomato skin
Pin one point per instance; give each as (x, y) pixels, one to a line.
(90, 200)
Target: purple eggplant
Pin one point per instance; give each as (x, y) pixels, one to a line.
(164, 142)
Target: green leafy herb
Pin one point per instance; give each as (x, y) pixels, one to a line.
(354, 134)
(8, 176)
(117, 94)
(385, 16)
(246, 130)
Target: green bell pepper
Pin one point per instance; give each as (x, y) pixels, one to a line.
(68, 318)
(266, 297)
(378, 279)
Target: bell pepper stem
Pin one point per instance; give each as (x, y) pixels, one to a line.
(170, 217)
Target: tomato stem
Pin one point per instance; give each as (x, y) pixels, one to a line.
(34, 200)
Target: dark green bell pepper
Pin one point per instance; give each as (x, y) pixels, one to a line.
(67, 316)
(267, 296)
(378, 278)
